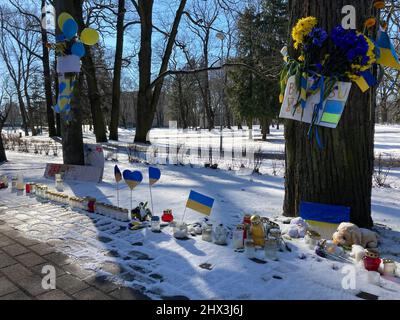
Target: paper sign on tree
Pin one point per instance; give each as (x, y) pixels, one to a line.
(332, 107)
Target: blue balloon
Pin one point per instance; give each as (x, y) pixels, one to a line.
(78, 49)
(70, 28)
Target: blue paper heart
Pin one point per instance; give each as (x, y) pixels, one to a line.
(132, 178)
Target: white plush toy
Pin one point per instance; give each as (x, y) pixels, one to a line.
(296, 229)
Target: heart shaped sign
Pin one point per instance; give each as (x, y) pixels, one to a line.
(132, 178)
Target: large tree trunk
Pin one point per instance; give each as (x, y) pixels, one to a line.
(91, 79)
(144, 112)
(23, 112)
(3, 157)
(47, 83)
(341, 173)
(116, 95)
(147, 97)
(72, 139)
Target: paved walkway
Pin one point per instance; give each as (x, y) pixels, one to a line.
(21, 263)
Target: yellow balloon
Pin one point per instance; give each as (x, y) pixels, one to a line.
(89, 36)
(62, 18)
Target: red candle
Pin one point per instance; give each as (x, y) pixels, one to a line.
(371, 261)
(28, 188)
(92, 205)
(247, 225)
(167, 216)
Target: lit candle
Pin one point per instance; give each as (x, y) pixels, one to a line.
(155, 224)
(250, 249)
(389, 267)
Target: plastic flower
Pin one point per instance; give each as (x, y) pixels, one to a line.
(370, 22)
(318, 36)
(379, 4)
(302, 29)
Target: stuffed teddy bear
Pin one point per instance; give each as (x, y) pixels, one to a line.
(348, 234)
(297, 228)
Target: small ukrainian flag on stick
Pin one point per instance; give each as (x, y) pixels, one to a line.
(388, 56)
(200, 203)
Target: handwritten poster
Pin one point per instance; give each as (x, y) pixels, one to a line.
(332, 110)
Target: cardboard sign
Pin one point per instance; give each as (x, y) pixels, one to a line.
(332, 110)
(67, 64)
(94, 156)
(91, 172)
(74, 173)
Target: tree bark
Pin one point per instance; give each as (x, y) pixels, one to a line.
(3, 157)
(47, 83)
(147, 98)
(72, 138)
(341, 173)
(116, 95)
(89, 69)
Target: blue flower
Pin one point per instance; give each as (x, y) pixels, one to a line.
(318, 36)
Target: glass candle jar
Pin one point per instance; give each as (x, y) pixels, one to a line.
(311, 239)
(33, 188)
(271, 248)
(167, 216)
(250, 249)
(155, 224)
(180, 231)
(207, 233)
(59, 185)
(220, 235)
(20, 182)
(14, 183)
(371, 260)
(389, 267)
(237, 237)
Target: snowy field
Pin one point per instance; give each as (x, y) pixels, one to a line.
(162, 266)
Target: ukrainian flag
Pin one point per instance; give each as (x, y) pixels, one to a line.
(154, 175)
(366, 80)
(332, 112)
(200, 203)
(323, 218)
(117, 174)
(388, 56)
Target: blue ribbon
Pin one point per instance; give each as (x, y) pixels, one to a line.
(320, 84)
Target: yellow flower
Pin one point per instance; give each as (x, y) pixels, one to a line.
(303, 27)
(301, 58)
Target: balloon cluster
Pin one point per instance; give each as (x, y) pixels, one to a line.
(70, 49)
(68, 43)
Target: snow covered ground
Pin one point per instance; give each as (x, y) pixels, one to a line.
(163, 266)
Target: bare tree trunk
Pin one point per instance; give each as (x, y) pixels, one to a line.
(47, 83)
(341, 173)
(23, 112)
(265, 124)
(89, 69)
(116, 95)
(147, 98)
(72, 139)
(3, 156)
